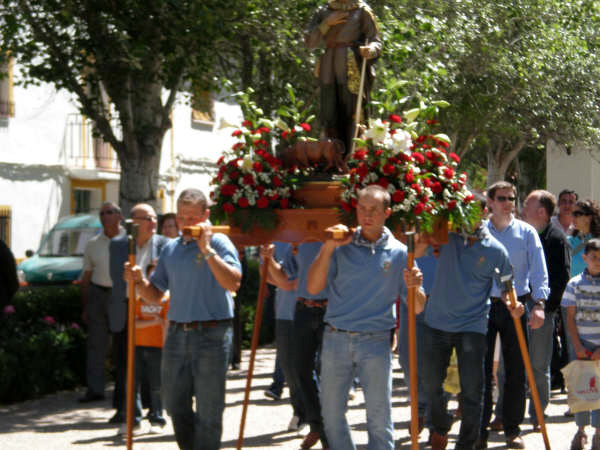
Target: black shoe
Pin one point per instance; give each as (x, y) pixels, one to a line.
(91, 397)
(119, 417)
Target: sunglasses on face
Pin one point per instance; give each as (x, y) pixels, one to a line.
(503, 198)
(580, 213)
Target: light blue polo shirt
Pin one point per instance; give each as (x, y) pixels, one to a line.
(297, 267)
(364, 283)
(285, 301)
(578, 243)
(459, 299)
(195, 292)
(583, 292)
(522, 242)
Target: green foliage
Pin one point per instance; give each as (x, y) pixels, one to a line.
(42, 346)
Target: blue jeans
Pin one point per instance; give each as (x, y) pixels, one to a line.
(404, 355)
(284, 334)
(369, 354)
(470, 353)
(308, 336)
(541, 343)
(195, 364)
(147, 367)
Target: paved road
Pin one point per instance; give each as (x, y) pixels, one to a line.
(59, 422)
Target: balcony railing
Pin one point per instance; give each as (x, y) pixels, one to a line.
(86, 151)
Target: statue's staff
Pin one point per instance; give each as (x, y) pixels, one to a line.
(507, 282)
(132, 232)
(361, 89)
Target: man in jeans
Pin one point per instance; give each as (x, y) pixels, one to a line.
(200, 275)
(456, 318)
(365, 273)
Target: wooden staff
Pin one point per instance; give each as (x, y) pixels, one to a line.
(361, 90)
(257, 323)
(132, 231)
(412, 347)
(196, 232)
(507, 281)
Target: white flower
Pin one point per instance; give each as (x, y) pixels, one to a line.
(247, 163)
(377, 130)
(401, 142)
(279, 123)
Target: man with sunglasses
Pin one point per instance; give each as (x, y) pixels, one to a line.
(96, 286)
(526, 255)
(148, 248)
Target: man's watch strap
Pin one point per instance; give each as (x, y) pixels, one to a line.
(541, 303)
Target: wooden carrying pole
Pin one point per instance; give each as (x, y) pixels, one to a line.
(361, 90)
(132, 231)
(255, 335)
(507, 281)
(412, 347)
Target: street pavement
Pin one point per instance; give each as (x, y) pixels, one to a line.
(58, 421)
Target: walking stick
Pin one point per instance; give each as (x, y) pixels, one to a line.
(412, 347)
(361, 89)
(132, 231)
(507, 281)
(257, 323)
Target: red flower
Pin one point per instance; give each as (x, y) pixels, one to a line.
(398, 196)
(243, 202)
(238, 145)
(437, 163)
(404, 157)
(260, 190)
(362, 170)
(389, 169)
(285, 134)
(455, 187)
(262, 202)
(448, 172)
(427, 182)
(409, 177)
(419, 208)
(415, 187)
(247, 124)
(346, 207)
(277, 181)
(284, 203)
(421, 139)
(431, 122)
(378, 152)
(451, 205)
(430, 155)
(395, 118)
(418, 157)
(305, 127)
(257, 167)
(360, 154)
(228, 208)
(274, 197)
(437, 187)
(469, 198)
(234, 175)
(424, 199)
(454, 157)
(383, 182)
(228, 190)
(264, 130)
(237, 133)
(374, 164)
(220, 160)
(354, 202)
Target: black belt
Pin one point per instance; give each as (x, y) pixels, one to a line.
(197, 324)
(104, 288)
(522, 298)
(339, 330)
(313, 302)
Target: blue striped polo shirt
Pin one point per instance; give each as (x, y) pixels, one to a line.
(583, 292)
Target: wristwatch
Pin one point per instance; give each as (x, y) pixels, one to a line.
(200, 257)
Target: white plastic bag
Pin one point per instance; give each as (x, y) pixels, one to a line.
(582, 378)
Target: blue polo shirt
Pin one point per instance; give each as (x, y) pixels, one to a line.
(578, 243)
(285, 301)
(364, 282)
(427, 264)
(459, 299)
(297, 267)
(195, 292)
(583, 292)
(522, 242)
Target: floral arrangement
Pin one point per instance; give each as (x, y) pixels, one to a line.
(415, 168)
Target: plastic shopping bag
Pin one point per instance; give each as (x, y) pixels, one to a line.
(582, 378)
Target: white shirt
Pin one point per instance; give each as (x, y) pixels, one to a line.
(96, 259)
(568, 231)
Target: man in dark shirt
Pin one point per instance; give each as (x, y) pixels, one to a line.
(537, 211)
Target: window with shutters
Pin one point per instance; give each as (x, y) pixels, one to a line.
(5, 223)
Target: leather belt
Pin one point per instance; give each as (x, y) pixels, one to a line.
(198, 324)
(103, 288)
(313, 302)
(522, 298)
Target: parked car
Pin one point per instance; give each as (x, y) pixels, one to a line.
(59, 259)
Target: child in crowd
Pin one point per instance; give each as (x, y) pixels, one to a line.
(150, 332)
(582, 300)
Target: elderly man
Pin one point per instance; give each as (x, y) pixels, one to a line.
(365, 273)
(537, 212)
(526, 255)
(200, 275)
(348, 30)
(96, 286)
(148, 248)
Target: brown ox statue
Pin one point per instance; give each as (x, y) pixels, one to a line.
(304, 154)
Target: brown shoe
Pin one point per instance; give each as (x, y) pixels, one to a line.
(579, 440)
(311, 439)
(438, 441)
(497, 424)
(515, 441)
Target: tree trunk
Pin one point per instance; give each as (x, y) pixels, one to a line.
(139, 179)
(493, 168)
(499, 160)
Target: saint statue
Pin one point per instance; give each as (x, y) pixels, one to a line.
(348, 31)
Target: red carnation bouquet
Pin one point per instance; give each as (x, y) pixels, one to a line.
(415, 168)
(250, 182)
